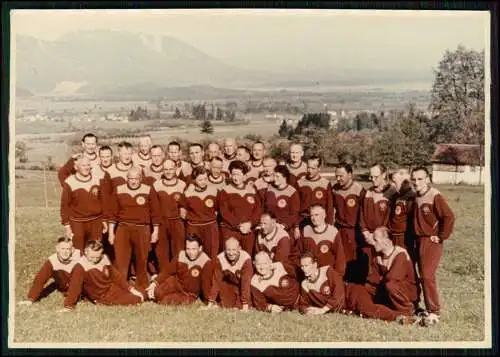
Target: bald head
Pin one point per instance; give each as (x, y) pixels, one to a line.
(134, 177)
(134, 171)
(382, 233)
(296, 153)
(232, 249)
(232, 243)
(168, 163)
(169, 169)
(381, 240)
(145, 144)
(262, 257)
(82, 160)
(263, 264)
(229, 146)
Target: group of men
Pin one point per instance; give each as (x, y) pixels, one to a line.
(235, 228)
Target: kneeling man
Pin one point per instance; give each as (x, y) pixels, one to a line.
(96, 278)
(231, 278)
(390, 290)
(273, 287)
(187, 276)
(322, 290)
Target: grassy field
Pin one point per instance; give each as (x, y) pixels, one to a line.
(460, 279)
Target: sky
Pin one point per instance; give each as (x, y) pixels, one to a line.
(284, 40)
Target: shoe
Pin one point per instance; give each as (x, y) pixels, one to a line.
(408, 320)
(430, 319)
(421, 312)
(346, 312)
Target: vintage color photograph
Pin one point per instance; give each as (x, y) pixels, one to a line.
(249, 178)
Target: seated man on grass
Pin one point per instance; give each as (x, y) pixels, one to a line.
(390, 290)
(186, 277)
(95, 277)
(273, 287)
(57, 267)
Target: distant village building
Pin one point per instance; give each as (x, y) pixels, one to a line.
(458, 164)
(334, 122)
(275, 116)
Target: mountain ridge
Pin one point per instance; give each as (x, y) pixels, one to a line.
(98, 62)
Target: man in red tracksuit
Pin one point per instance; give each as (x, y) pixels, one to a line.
(174, 153)
(58, 267)
(118, 171)
(348, 196)
(256, 164)
(295, 164)
(95, 277)
(273, 287)
(142, 157)
(283, 200)
(323, 240)
(135, 210)
(314, 190)
(231, 279)
(202, 205)
(390, 291)
(230, 146)
(322, 290)
(186, 278)
(274, 240)
(170, 190)
(196, 155)
(240, 208)
(216, 177)
(266, 177)
(82, 203)
(375, 212)
(89, 145)
(433, 223)
(154, 170)
(401, 219)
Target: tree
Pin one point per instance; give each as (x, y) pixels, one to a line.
(313, 120)
(138, 114)
(231, 105)
(284, 129)
(219, 114)
(21, 148)
(408, 141)
(230, 115)
(207, 127)
(457, 94)
(199, 112)
(364, 121)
